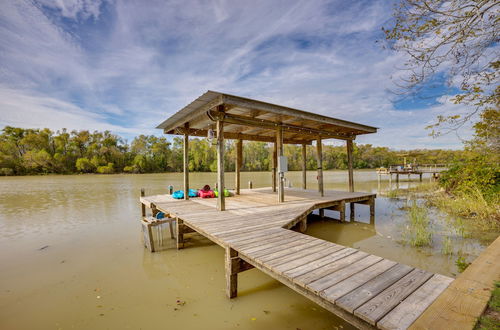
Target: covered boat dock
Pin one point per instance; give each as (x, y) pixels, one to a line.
(254, 226)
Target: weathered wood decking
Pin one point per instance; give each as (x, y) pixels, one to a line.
(366, 290)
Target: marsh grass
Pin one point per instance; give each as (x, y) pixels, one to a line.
(447, 247)
(394, 193)
(418, 232)
(483, 215)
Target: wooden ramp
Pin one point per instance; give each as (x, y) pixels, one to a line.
(366, 290)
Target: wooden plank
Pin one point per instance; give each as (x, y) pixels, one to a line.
(306, 261)
(342, 288)
(249, 241)
(286, 253)
(340, 275)
(349, 256)
(370, 289)
(278, 247)
(355, 321)
(263, 241)
(306, 251)
(404, 314)
(320, 262)
(464, 300)
(250, 251)
(384, 302)
(242, 237)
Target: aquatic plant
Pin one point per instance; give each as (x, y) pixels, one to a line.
(461, 263)
(447, 248)
(394, 193)
(418, 232)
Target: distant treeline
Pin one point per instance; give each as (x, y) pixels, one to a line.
(39, 151)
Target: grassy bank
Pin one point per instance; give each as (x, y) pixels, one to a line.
(490, 320)
(479, 213)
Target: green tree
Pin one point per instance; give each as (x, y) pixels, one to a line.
(84, 165)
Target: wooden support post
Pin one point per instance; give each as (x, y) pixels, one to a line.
(279, 150)
(342, 211)
(319, 158)
(303, 225)
(250, 185)
(372, 210)
(420, 177)
(186, 163)
(304, 166)
(179, 233)
(275, 166)
(148, 236)
(397, 177)
(143, 207)
(350, 165)
(239, 158)
(221, 205)
(321, 213)
(231, 275)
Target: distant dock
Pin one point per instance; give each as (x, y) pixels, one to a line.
(420, 170)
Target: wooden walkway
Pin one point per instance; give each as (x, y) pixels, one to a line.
(366, 290)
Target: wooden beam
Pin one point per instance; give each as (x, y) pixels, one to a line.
(319, 158)
(238, 136)
(304, 166)
(186, 163)
(279, 150)
(239, 157)
(275, 165)
(221, 205)
(247, 121)
(350, 165)
(300, 114)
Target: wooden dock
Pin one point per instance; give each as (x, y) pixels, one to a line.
(397, 170)
(366, 290)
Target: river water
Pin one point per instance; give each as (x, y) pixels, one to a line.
(71, 257)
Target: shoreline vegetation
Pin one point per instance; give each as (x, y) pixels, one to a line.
(42, 151)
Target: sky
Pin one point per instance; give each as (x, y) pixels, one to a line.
(125, 66)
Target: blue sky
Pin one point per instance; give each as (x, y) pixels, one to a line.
(127, 65)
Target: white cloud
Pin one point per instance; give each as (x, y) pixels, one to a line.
(23, 109)
(75, 8)
(137, 64)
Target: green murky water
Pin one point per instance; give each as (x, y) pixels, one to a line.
(71, 257)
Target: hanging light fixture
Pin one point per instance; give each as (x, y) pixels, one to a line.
(210, 135)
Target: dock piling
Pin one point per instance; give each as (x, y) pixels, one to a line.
(231, 273)
(179, 233)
